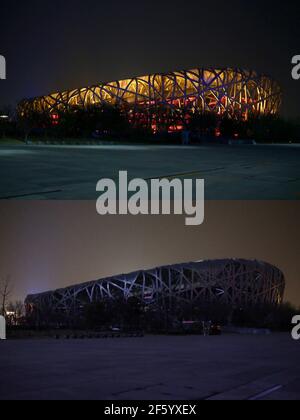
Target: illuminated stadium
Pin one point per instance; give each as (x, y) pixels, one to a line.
(167, 100)
(232, 282)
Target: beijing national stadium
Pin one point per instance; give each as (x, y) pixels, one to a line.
(169, 99)
(231, 282)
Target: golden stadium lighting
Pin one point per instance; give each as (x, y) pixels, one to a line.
(164, 100)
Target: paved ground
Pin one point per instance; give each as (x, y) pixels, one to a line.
(163, 368)
(71, 172)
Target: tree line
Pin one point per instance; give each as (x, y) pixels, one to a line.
(162, 317)
(112, 122)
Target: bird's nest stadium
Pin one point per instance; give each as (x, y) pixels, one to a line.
(232, 282)
(167, 100)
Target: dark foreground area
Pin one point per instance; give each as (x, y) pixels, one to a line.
(154, 367)
(72, 172)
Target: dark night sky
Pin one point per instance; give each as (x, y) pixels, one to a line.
(54, 45)
(48, 245)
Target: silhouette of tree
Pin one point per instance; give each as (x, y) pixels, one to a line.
(5, 292)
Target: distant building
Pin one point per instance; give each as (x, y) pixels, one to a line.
(232, 282)
(165, 101)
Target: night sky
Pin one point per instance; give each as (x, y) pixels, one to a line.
(49, 245)
(56, 45)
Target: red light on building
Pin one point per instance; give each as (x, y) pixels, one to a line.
(154, 128)
(54, 119)
(175, 128)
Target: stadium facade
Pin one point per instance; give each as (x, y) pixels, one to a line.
(167, 100)
(232, 282)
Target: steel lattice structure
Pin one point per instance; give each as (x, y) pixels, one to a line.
(233, 282)
(167, 99)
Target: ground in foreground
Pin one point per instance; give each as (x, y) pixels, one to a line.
(72, 172)
(154, 367)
